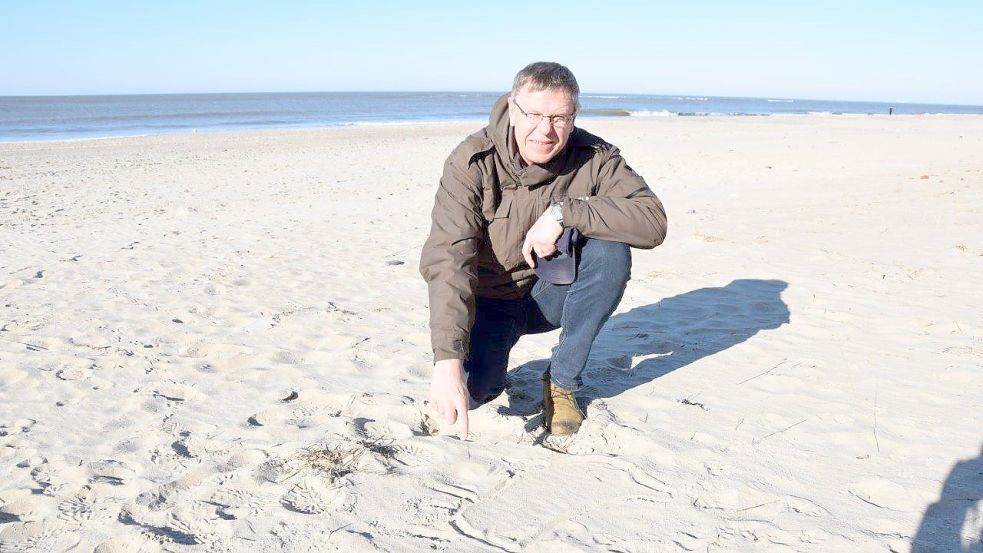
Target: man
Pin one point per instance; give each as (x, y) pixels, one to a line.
(507, 192)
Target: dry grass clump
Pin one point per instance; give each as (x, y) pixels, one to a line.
(334, 461)
(341, 459)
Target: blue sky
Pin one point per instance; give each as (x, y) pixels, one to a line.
(846, 50)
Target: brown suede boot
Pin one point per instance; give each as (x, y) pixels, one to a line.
(561, 413)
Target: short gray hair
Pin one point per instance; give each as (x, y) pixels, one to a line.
(547, 75)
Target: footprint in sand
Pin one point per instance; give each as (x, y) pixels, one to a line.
(188, 524)
(222, 357)
(289, 357)
(196, 518)
(241, 499)
(244, 458)
(313, 495)
(279, 470)
(52, 476)
(419, 453)
(111, 471)
(25, 506)
(385, 430)
(49, 536)
(84, 506)
(77, 372)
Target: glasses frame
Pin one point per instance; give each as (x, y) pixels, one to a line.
(555, 121)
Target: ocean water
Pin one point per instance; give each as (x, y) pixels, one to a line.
(38, 118)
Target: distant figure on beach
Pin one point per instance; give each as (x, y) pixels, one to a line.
(508, 194)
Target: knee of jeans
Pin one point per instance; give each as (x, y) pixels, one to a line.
(482, 394)
(486, 385)
(614, 258)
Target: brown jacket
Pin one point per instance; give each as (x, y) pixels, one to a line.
(487, 202)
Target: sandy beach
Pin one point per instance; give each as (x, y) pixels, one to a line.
(218, 342)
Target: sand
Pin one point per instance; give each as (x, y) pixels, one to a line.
(219, 342)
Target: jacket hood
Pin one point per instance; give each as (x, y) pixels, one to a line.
(499, 129)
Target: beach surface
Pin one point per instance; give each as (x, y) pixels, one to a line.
(219, 342)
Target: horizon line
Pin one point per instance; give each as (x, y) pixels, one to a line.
(582, 94)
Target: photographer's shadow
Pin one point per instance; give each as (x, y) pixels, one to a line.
(948, 524)
(643, 344)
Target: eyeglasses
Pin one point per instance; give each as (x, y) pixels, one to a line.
(557, 121)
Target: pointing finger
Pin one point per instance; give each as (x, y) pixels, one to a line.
(527, 254)
(463, 417)
(447, 412)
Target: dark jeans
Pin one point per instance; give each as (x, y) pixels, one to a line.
(580, 309)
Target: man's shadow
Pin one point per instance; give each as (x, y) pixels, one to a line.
(638, 346)
(944, 526)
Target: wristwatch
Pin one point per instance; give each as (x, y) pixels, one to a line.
(556, 212)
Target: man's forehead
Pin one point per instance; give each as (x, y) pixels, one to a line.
(548, 97)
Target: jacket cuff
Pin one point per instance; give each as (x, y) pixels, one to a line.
(452, 349)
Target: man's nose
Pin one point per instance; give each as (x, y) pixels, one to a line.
(548, 124)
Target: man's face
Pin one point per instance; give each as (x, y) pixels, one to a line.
(541, 142)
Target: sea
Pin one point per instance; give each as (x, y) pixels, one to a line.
(43, 118)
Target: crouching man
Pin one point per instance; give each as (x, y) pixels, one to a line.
(507, 194)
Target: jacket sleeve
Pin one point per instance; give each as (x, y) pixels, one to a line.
(624, 208)
(449, 259)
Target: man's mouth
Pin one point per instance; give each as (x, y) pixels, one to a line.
(542, 143)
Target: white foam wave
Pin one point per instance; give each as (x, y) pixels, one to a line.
(381, 123)
(773, 100)
(651, 113)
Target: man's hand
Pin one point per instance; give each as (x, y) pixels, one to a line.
(541, 238)
(449, 393)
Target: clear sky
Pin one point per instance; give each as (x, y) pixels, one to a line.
(898, 51)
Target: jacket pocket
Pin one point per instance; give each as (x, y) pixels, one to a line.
(504, 208)
(502, 231)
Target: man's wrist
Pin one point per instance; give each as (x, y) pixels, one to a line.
(449, 365)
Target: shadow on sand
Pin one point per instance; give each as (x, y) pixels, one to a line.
(667, 335)
(953, 523)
